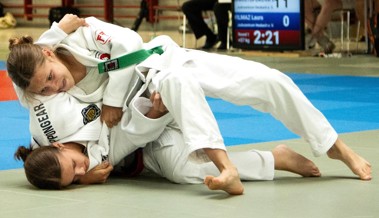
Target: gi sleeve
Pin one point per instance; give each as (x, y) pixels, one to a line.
(141, 129)
(52, 37)
(116, 41)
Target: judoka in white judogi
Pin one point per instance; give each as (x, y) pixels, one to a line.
(182, 77)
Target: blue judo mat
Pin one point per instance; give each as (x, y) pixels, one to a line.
(350, 103)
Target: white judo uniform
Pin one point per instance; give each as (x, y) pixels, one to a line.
(182, 77)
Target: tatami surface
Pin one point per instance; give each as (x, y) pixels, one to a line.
(338, 193)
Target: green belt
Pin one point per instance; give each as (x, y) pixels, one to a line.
(128, 59)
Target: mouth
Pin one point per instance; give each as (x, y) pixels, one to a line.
(86, 165)
(62, 89)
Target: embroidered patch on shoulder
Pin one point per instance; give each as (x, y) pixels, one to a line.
(102, 37)
(102, 56)
(90, 113)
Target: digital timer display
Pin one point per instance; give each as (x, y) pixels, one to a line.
(268, 24)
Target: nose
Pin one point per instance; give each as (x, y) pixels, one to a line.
(54, 86)
(80, 171)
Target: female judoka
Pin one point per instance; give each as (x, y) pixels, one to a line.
(59, 165)
(74, 68)
(230, 78)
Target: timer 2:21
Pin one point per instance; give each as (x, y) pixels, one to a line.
(285, 3)
(267, 37)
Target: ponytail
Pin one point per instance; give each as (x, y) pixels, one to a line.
(22, 153)
(19, 41)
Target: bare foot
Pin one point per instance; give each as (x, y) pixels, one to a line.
(357, 164)
(228, 181)
(288, 160)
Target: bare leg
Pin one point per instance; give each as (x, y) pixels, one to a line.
(318, 24)
(325, 16)
(359, 11)
(229, 180)
(288, 160)
(358, 165)
(310, 18)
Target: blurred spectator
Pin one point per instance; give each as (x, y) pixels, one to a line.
(373, 21)
(193, 9)
(317, 22)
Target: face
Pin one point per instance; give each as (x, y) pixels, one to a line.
(74, 164)
(51, 77)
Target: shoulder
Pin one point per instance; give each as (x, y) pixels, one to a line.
(92, 19)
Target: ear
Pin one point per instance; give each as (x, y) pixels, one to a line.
(58, 145)
(48, 52)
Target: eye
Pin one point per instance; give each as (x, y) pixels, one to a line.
(50, 77)
(44, 90)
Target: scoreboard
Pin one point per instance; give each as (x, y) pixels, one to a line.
(268, 24)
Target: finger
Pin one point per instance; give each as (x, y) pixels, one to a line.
(102, 165)
(152, 96)
(115, 122)
(158, 98)
(105, 164)
(109, 168)
(162, 108)
(109, 124)
(155, 105)
(108, 171)
(83, 22)
(118, 119)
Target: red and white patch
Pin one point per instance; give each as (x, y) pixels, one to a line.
(102, 56)
(102, 37)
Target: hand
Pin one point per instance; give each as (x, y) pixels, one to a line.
(98, 174)
(158, 109)
(71, 22)
(111, 115)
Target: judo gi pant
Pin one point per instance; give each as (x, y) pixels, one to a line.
(241, 82)
(168, 158)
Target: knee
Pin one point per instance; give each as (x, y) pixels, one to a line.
(275, 77)
(277, 81)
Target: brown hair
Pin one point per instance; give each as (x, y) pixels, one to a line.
(23, 59)
(42, 167)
